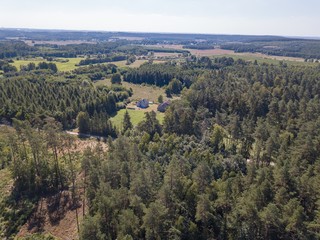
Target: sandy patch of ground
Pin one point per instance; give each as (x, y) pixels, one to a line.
(56, 215)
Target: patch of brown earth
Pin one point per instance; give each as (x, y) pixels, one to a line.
(56, 215)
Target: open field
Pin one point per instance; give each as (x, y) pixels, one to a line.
(261, 55)
(268, 60)
(210, 52)
(139, 91)
(62, 66)
(136, 117)
(136, 64)
(230, 53)
(166, 46)
(166, 54)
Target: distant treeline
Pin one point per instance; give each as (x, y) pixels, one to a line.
(156, 74)
(95, 72)
(203, 46)
(115, 58)
(166, 50)
(11, 49)
(296, 48)
(162, 74)
(54, 35)
(118, 50)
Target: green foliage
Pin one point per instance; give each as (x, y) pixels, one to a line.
(83, 122)
(174, 87)
(127, 125)
(237, 158)
(33, 98)
(37, 236)
(150, 124)
(155, 74)
(296, 48)
(101, 59)
(160, 99)
(136, 117)
(116, 78)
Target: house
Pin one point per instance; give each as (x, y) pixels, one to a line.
(144, 103)
(163, 106)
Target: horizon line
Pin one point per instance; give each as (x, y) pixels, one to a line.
(169, 33)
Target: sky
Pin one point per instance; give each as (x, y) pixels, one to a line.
(255, 17)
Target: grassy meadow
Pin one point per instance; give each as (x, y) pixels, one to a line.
(62, 66)
(269, 59)
(136, 117)
(139, 91)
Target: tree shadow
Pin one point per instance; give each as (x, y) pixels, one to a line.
(57, 206)
(38, 216)
(54, 207)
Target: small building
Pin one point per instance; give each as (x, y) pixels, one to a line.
(144, 103)
(163, 106)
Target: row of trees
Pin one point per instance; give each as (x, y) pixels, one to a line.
(154, 74)
(113, 58)
(97, 125)
(42, 65)
(29, 97)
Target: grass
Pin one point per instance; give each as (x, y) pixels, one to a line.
(136, 64)
(5, 190)
(68, 66)
(268, 60)
(5, 182)
(139, 91)
(62, 66)
(136, 117)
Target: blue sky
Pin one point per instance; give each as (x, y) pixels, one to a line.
(270, 17)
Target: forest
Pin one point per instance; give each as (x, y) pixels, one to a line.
(306, 49)
(236, 157)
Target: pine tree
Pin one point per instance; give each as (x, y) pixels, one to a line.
(127, 125)
(83, 122)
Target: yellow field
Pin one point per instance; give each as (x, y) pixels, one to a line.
(62, 66)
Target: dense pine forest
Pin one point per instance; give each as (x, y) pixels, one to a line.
(236, 158)
(237, 155)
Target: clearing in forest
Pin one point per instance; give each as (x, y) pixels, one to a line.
(63, 64)
(136, 117)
